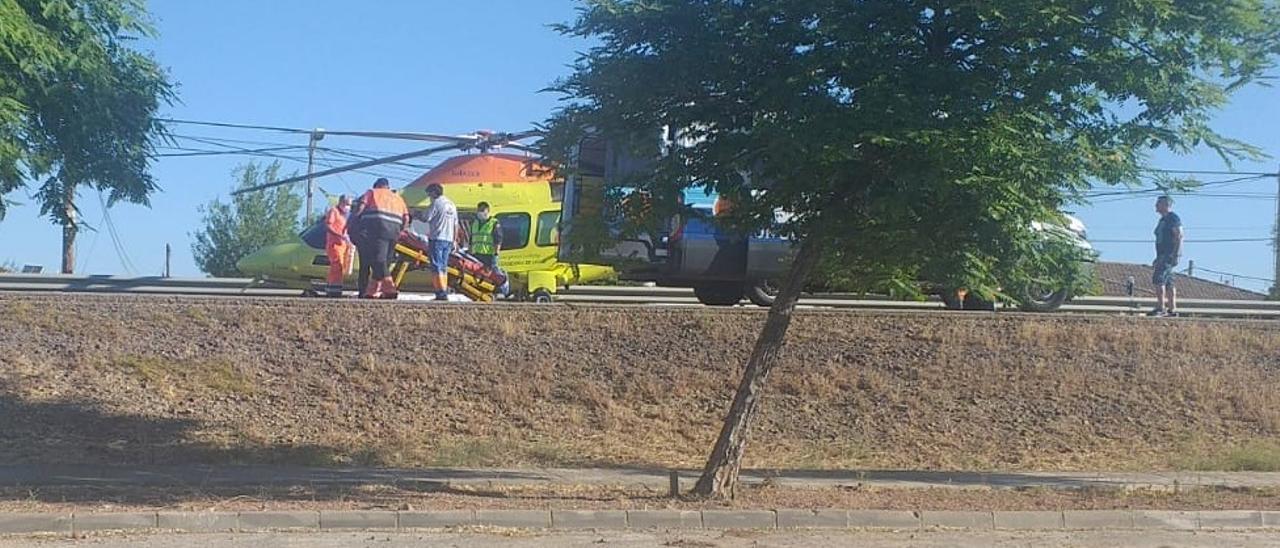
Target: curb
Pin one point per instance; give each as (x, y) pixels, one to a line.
(386, 520)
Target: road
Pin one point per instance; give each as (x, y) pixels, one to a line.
(601, 295)
(634, 539)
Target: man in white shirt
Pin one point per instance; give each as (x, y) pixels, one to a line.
(442, 226)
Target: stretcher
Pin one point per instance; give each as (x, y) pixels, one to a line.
(466, 274)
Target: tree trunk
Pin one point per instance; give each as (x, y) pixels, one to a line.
(720, 476)
(69, 229)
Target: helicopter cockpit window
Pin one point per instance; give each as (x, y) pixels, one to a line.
(515, 230)
(314, 234)
(548, 228)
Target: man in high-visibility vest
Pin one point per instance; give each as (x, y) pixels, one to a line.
(382, 215)
(486, 236)
(337, 245)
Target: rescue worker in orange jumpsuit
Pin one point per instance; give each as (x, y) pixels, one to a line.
(382, 216)
(337, 245)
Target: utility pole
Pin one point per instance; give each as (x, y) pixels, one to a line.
(1275, 275)
(316, 135)
(1191, 269)
(168, 256)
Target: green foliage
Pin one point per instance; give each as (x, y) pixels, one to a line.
(914, 140)
(250, 222)
(77, 105)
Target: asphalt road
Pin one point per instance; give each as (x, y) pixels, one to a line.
(702, 539)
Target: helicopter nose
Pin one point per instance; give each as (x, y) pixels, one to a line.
(254, 264)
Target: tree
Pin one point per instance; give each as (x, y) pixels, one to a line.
(77, 105)
(918, 140)
(251, 221)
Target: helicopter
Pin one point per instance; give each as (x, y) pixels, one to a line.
(524, 195)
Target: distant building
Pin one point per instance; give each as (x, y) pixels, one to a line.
(1114, 279)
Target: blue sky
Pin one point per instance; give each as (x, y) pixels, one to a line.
(454, 67)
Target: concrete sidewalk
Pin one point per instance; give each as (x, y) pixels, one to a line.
(35, 475)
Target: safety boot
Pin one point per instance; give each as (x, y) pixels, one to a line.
(389, 289)
(375, 290)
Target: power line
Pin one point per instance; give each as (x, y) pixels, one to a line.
(251, 152)
(195, 152)
(1144, 191)
(341, 179)
(1216, 195)
(410, 170)
(1234, 275)
(235, 126)
(348, 152)
(1206, 241)
(353, 152)
(84, 257)
(1209, 172)
(1107, 228)
(121, 252)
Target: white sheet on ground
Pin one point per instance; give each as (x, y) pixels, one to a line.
(453, 297)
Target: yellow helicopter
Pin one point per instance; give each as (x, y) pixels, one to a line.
(523, 194)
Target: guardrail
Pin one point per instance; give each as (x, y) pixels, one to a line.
(144, 284)
(616, 295)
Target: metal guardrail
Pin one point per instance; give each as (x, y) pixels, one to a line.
(616, 295)
(144, 284)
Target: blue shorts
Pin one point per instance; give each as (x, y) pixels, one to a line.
(438, 251)
(1162, 273)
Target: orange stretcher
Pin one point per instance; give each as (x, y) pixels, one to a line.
(466, 274)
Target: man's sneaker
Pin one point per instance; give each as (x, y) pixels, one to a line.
(1171, 314)
(1158, 313)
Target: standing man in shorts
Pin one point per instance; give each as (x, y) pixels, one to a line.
(1168, 249)
(442, 229)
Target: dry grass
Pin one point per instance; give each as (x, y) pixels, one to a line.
(568, 496)
(216, 375)
(1252, 456)
(340, 383)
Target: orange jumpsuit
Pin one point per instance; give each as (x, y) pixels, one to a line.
(336, 245)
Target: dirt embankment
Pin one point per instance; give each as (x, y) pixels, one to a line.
(168, 380)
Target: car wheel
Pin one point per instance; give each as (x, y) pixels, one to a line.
(542, 296)
(718, 294)
(763, 292)
(1042, 300)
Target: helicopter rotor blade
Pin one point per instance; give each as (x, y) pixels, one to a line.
(402, 135)
(522, 135)
(350, 167)
(521, 148)
(409, 135)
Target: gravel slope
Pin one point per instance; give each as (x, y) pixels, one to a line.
(122, 379)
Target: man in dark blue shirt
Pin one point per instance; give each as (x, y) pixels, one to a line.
(1168, 249)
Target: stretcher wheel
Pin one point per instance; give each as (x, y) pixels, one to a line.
(542, 296)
